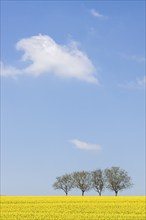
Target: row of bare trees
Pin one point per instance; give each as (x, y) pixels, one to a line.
(114, 179)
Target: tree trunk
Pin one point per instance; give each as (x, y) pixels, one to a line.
(99, 193)
(82, 193)
(116, 193)
(66, 193)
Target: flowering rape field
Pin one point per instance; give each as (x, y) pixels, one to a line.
(73, 208)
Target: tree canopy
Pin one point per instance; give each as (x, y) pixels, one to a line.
(117, 179)
(64, 183)
(82, 180)
(114, 179)
(98, 180)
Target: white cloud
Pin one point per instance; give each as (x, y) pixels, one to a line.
(96, 14)
(137, 84)
(47, 56)
(134, 58)
(84, 145)
(7, 71)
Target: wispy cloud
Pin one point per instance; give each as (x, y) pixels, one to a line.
(96, 14)
(137, 84)
(85, 145)
(7, 70)
(135, 58)
(47, 56)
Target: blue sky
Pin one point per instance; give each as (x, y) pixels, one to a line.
(72, 92)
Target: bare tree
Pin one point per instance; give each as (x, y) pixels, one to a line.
(64, 183)
(117, 179)
(82, 181)
(98, 180)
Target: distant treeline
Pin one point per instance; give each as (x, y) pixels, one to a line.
(114, 179)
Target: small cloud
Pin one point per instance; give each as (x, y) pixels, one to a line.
(134, 58)
(96, 14)
(49, 57)
(6, 70)
(137, 84)
(84, 145)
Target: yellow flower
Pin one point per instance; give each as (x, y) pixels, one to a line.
(73, 208)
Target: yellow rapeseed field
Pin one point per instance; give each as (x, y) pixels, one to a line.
(73, 208)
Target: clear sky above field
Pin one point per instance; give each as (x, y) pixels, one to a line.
(72, 92)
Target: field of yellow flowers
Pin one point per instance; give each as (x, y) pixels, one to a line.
(73, 208)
